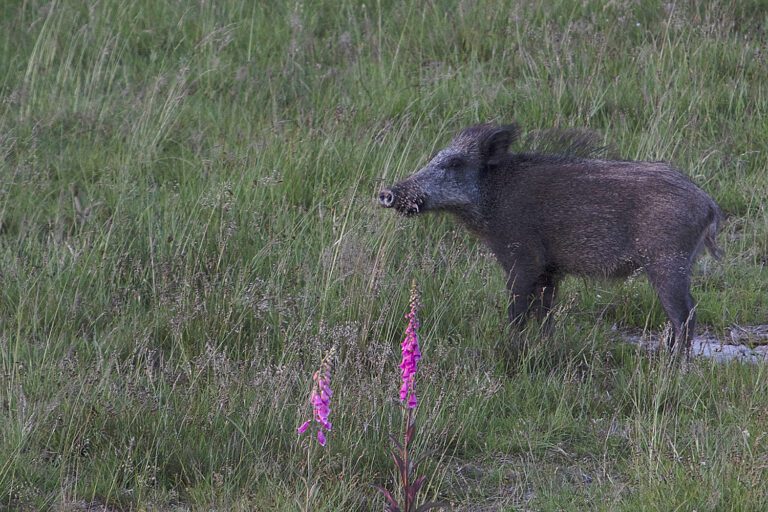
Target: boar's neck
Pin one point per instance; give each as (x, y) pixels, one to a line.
(473, 219)
(494, 184)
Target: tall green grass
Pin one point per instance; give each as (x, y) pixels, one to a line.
(187, 223)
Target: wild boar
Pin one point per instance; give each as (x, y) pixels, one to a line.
(545, 216)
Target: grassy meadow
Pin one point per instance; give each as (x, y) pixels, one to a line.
(188, 224)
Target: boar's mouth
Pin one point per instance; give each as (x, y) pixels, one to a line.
(405, 202)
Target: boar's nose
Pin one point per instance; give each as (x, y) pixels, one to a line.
(386, 198)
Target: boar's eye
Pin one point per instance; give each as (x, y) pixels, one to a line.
(453, 162)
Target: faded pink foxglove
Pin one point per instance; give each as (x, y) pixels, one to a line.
(320, 398)
(411, 353)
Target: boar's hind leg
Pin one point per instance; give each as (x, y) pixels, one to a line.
(671, 280)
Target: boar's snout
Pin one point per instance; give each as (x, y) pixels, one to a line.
(404, 197)
(386, 198)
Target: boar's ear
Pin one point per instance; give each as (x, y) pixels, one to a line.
(494, 146)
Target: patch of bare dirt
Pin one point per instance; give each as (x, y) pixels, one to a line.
(746, 343)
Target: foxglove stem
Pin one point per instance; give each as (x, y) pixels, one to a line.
(401, 451)
(406, 474)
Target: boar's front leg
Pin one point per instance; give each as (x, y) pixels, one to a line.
(544, 293)
(519, 303)
(530, 285)
(530, 290)
(528, 294)
(521, 286)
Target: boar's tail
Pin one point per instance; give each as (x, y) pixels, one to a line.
(710, 237)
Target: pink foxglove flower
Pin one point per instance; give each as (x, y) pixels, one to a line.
(320, 398)
(410, 484)
(411, 352)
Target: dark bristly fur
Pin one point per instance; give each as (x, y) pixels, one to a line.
(548, 215)
(573, 142)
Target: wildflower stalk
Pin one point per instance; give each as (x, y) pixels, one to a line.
(320, 399)
(406, 466)
(311, 490)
